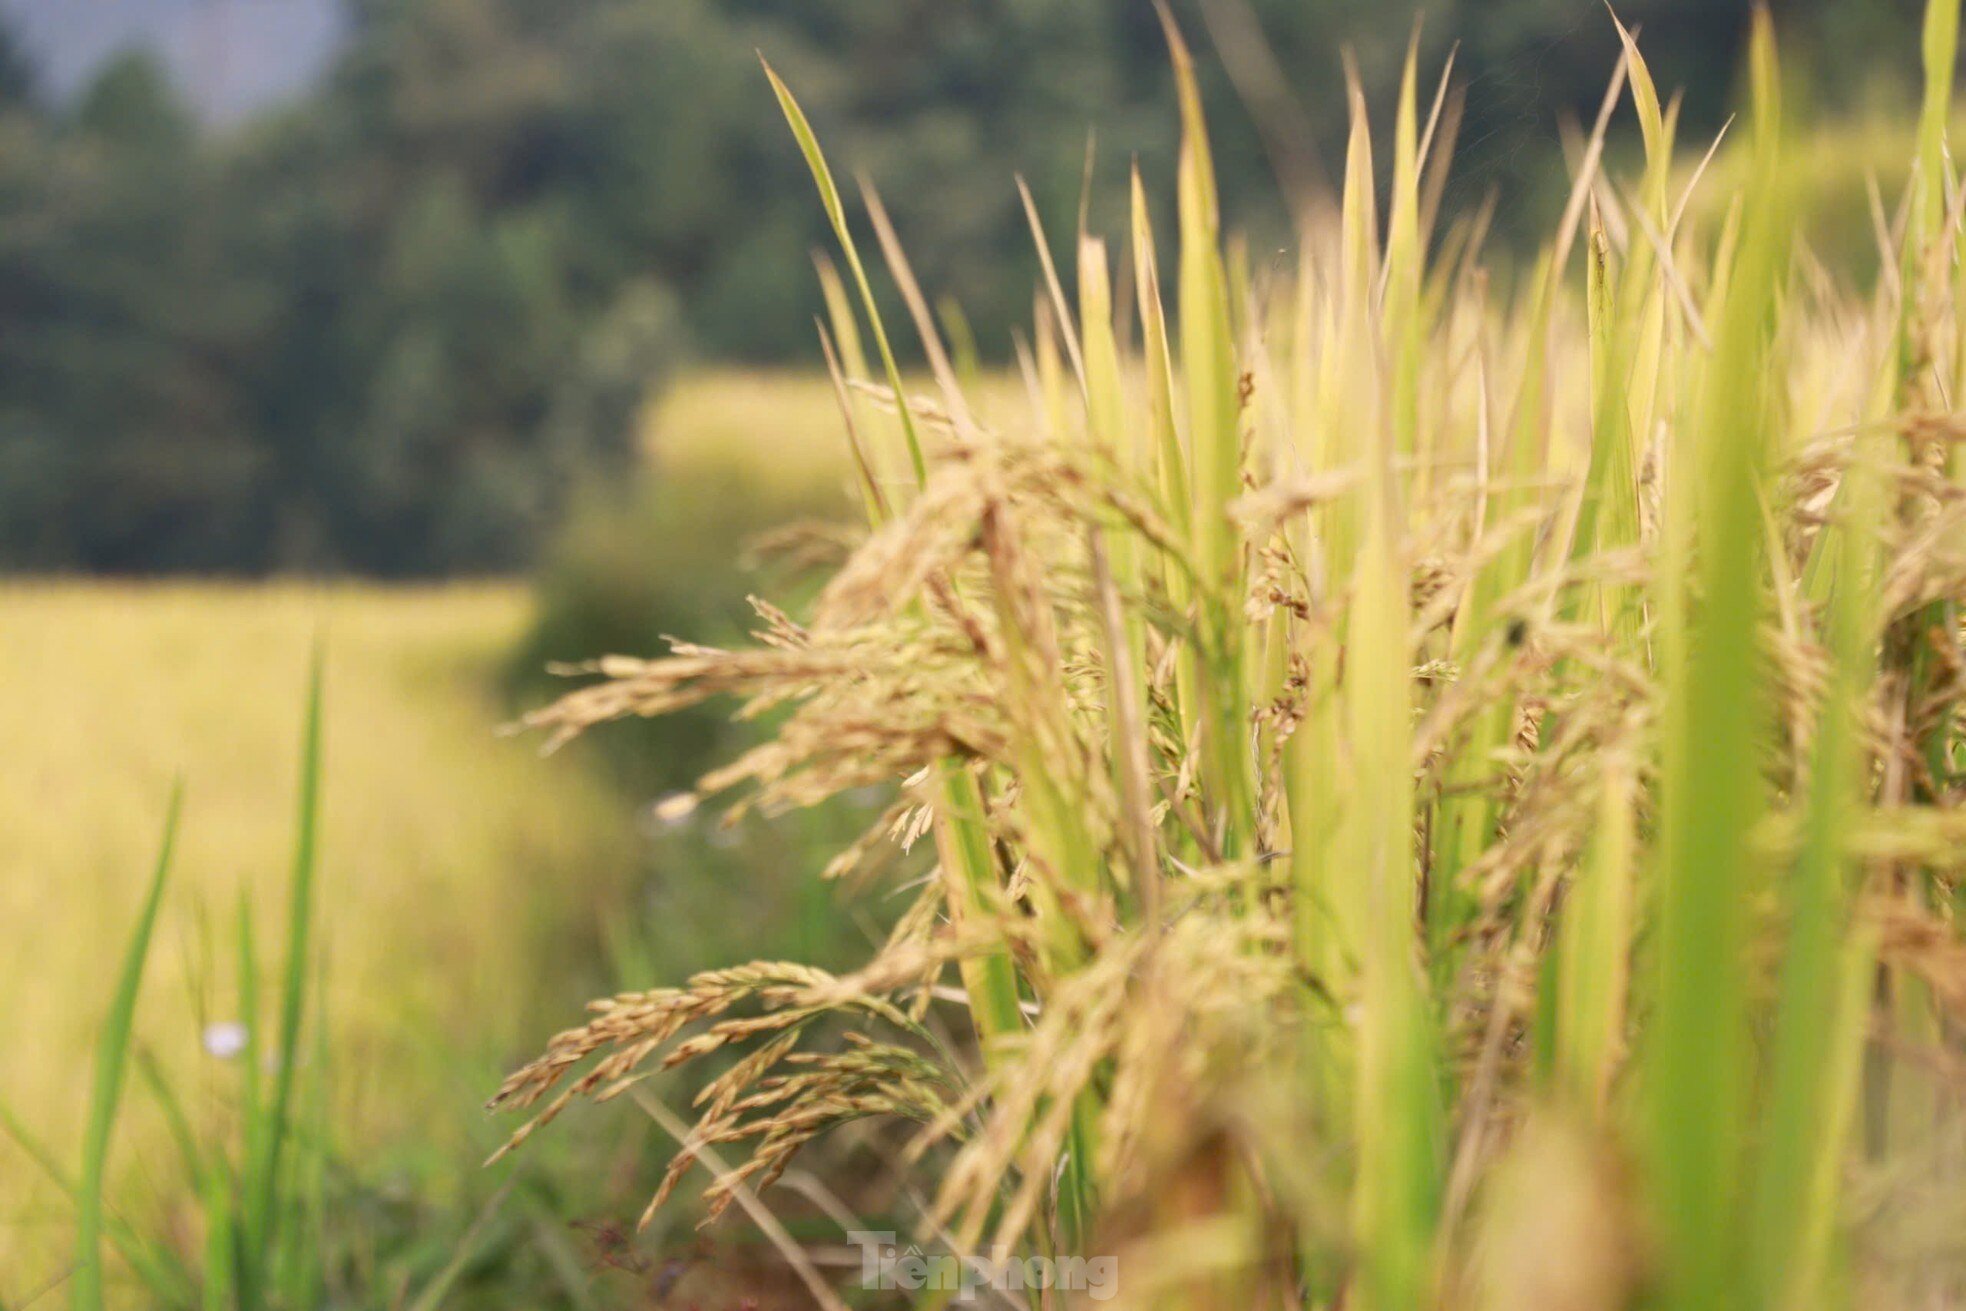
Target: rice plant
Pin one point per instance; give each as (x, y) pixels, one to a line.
(1442, 791)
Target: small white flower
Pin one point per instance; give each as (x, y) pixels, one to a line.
(225, 1039)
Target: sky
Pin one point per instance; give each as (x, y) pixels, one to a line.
(229, 56)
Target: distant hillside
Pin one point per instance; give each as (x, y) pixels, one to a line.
(230, 56)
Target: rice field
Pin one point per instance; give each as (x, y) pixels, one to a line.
(453, 861)
(1388, 787)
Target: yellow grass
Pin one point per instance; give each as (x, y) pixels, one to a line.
(447, 851)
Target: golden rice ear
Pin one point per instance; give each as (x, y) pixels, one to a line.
(1559, 1227)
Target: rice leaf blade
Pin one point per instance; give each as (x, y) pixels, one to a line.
(114, 1051)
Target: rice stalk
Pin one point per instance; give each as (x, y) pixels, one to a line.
(1444, 792)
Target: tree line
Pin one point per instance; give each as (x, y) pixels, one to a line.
(389, 326)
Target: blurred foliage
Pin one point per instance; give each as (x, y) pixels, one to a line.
(1834, 164)
(383, 332)
(387, 327)
(733, 456)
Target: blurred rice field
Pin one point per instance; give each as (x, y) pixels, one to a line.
(781, 426)
(463, 880)
(452, 858)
